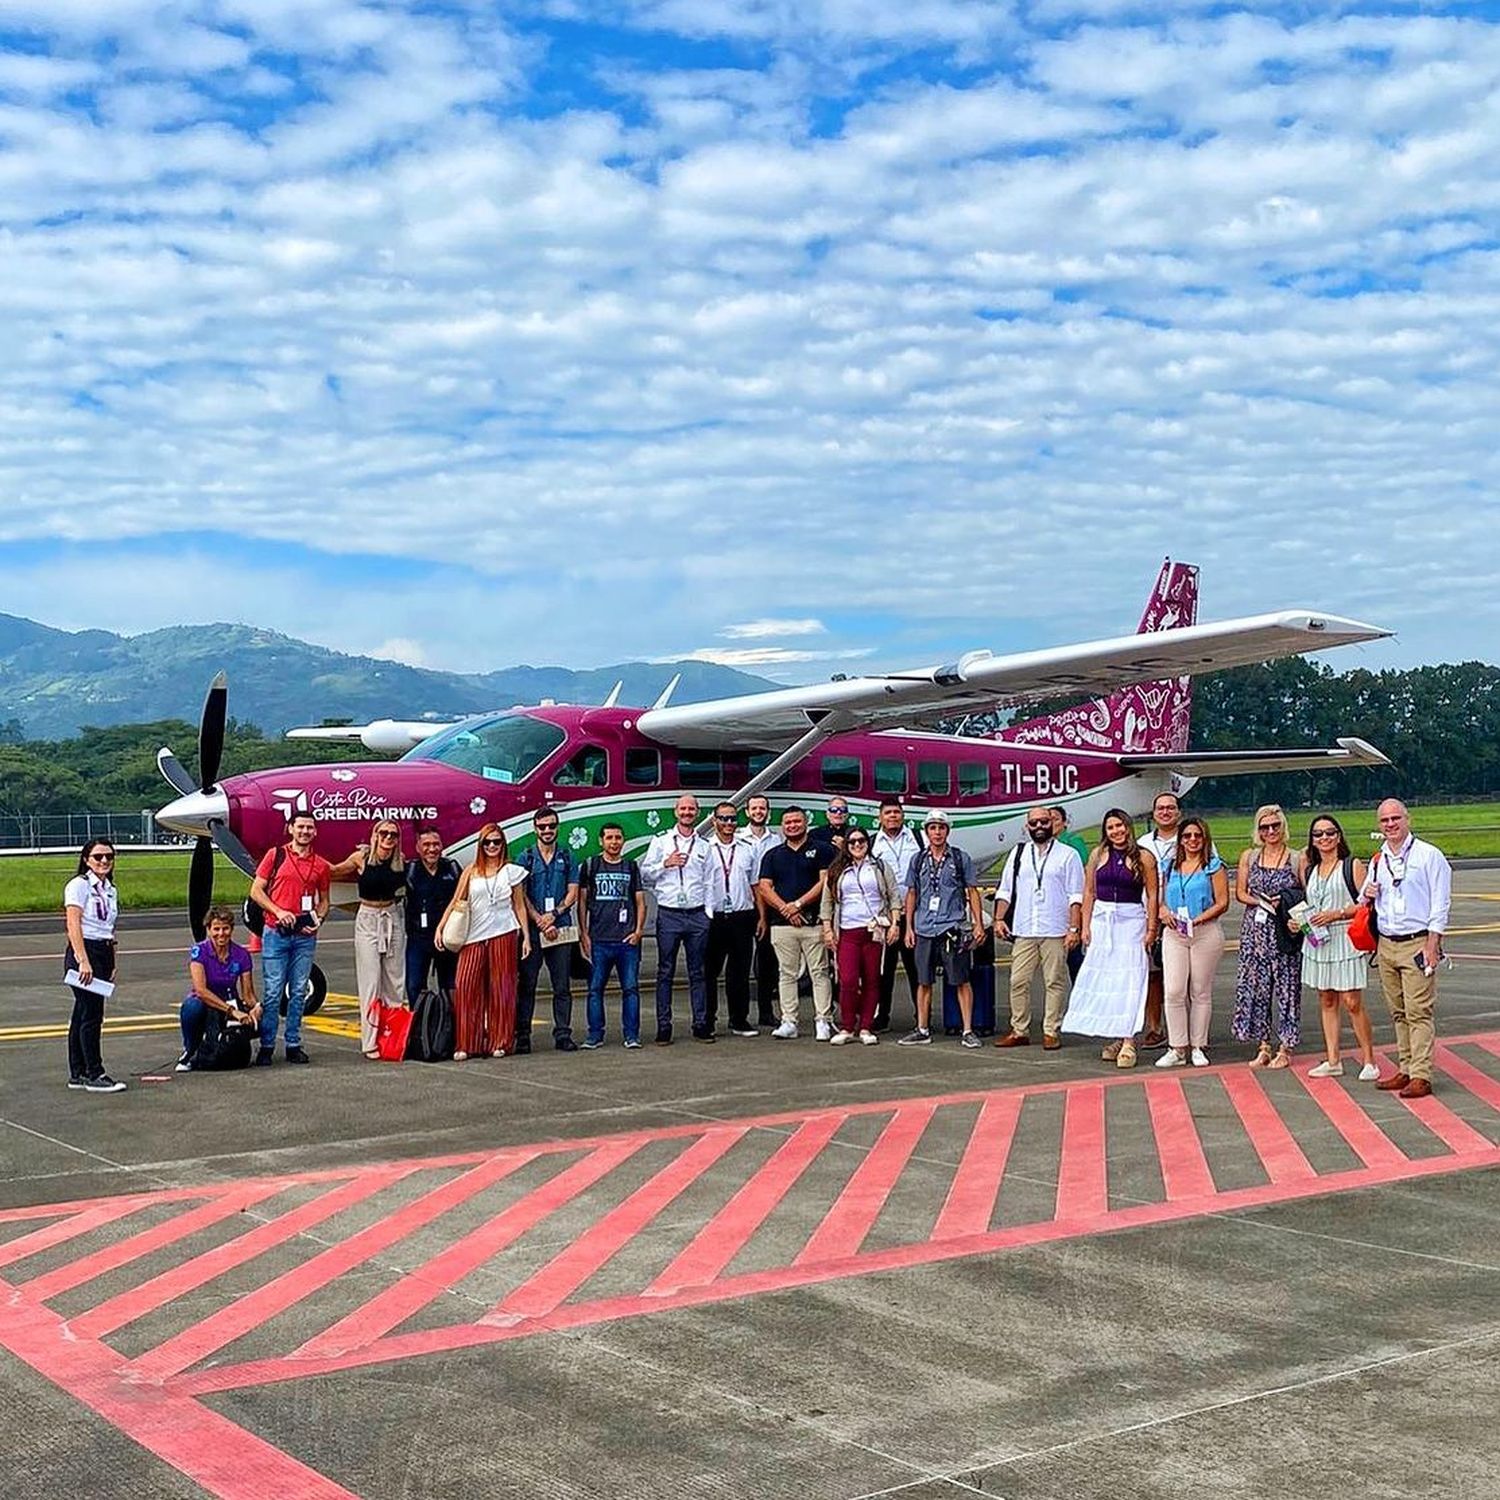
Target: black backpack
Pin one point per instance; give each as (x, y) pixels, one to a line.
(432, 1034)
(255, 914)
(225, 1046)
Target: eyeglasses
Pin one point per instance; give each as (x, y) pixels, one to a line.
(493, 843)
(546, 827)
(1325, 833)
(105, 857)
(1040, 823)
(1192, 836)
(724, 817)
(388, 833)
(1268, 827)
(838, 810)
(858, 843)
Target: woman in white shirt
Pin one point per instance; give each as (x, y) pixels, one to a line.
(91, 908)
(859, 921)
(484, 990)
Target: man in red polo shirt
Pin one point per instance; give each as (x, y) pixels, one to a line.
(291, 887)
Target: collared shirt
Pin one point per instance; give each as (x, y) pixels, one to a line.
(548, 880)
(757, 845)
(896, 852)
(828, 835)
(731, 876)
(1162, 846)
(428, 895)
(1413, 888)
(859, 895)
(222, 975)
(1042, 886)
(793, 873)
(941, 886)
(98, 901)
(684, 888)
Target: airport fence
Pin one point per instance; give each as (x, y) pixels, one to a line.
(30, 832)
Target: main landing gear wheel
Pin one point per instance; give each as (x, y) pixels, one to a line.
(317, 993)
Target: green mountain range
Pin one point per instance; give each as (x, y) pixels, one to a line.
(53, 682)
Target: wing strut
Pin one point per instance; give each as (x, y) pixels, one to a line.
(827, 726)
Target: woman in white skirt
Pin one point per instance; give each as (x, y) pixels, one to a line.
(1119, 927)
(1336, 969)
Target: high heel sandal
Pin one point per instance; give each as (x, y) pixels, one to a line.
(1262, 1059)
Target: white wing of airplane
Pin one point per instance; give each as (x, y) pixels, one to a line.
(1350, 752)
(790, 716)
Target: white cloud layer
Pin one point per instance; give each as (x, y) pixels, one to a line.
(954, 314)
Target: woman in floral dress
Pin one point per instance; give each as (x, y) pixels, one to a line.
(1268, 989)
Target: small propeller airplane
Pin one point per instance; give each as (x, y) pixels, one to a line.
(852, 735)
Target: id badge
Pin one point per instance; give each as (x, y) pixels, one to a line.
(624, 916)
(549, 903)
(307, 903)
(1262, 915)
(933, 902)
(424, 921)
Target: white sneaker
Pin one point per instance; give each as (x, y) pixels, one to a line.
(1200, 1058)
(840, 1037)
(869, 1039)
(1369, 1073)
(825, 1031)
(786, 1030)
(1326, 1069)
(1171, 1058)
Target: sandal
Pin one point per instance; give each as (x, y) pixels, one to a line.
(1111, 1052)
(1153, 1039)
(1283, 1059)
(1125, 1058)
(1262, 1059)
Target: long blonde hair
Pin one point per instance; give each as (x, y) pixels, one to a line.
(396, 861)
(1271, 809)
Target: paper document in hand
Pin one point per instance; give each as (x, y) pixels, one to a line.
(95, 986)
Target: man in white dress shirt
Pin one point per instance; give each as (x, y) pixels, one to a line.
(732, 919)
(1040, 905)
(1412, 886)
(895, 846)
(676, 867)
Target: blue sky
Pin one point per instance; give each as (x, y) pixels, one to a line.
(809, 337)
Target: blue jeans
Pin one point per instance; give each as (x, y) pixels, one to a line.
(193, 1017)
(625, 958)
(286, 960)
(687, 930)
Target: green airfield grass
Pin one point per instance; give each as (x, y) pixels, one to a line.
(34, 883)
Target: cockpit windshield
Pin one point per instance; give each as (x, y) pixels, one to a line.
(506, 748)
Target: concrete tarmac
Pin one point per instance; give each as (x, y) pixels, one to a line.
(757, 1268)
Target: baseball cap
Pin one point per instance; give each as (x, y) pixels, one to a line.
(936, 815)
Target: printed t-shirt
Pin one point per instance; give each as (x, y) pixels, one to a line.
(611, 887)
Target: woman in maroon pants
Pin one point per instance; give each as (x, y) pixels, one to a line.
(859, 912)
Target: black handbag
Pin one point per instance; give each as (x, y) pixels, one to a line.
(1288, 942)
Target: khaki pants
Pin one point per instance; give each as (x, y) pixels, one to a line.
(1051, 954)
(792, 945)
(1411, 995)
(379, 964)
(1188, 968)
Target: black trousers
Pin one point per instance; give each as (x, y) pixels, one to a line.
(897, 955)
(559, 964)
(87, 1021)
(767, 978)
(731, 947)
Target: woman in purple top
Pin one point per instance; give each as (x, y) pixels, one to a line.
(1119, 927)
(223, 979)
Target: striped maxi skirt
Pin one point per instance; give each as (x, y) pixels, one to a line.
(484, 996)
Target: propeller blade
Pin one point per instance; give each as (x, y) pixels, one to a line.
(211, 731)
(200, 886)
(172, 769)
(238, 854)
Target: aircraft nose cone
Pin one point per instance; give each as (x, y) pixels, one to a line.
(192, 812)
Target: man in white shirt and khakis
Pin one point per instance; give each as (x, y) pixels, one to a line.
(1040, 905)
(1412, 887)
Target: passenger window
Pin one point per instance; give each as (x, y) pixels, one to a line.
(973, 778)
(933, 778)
(757, 763)
(643, 767)
(841, 773)
(587, 767)
(890, 777)
(699, 770)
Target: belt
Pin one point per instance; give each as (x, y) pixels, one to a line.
(1406, 937)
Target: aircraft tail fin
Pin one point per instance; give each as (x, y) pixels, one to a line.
(1149, 718)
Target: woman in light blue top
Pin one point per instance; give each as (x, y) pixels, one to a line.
(1195, 894)
(1335, 968)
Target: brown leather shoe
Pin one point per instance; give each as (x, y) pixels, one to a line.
(1395, 1081)
(1418, 1088)
(1050, 1043)
(1013, 1039)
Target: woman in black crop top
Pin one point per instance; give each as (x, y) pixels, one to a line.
(379, 932)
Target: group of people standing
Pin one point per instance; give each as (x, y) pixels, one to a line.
(1127, 937)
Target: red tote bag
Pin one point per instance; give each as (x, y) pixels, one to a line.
(392, 1028)
(1364, 932)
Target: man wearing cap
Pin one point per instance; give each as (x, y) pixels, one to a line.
(943, 923)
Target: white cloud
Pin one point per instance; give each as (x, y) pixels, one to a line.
(764, 656)
(755, 630)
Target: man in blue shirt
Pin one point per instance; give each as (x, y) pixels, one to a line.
(551, 895)
(944, 924)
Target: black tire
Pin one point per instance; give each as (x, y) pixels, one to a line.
(317, 993)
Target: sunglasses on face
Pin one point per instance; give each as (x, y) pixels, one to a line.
(858, 843)
(1325, 833)
(105, 857)
(1041, 823)
(388, 833)
(494, 843)
(1191, 836)
(1268, 827)
(723, 817)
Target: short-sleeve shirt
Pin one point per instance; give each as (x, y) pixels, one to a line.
(491, 913)
(98, 901)
(1195, 891)
(299, 876)
(548, 880)
(428, 895)
(610, 886)
(223, 976)
(793, 873)
(947, 880)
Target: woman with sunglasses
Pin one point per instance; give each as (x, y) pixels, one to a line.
(379, 932)
(1268, 987)
(858, 911)
(1336, 969)
(91, 907)
(484, 989)
(1195, 894)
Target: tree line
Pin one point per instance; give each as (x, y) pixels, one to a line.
(1439, 725)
